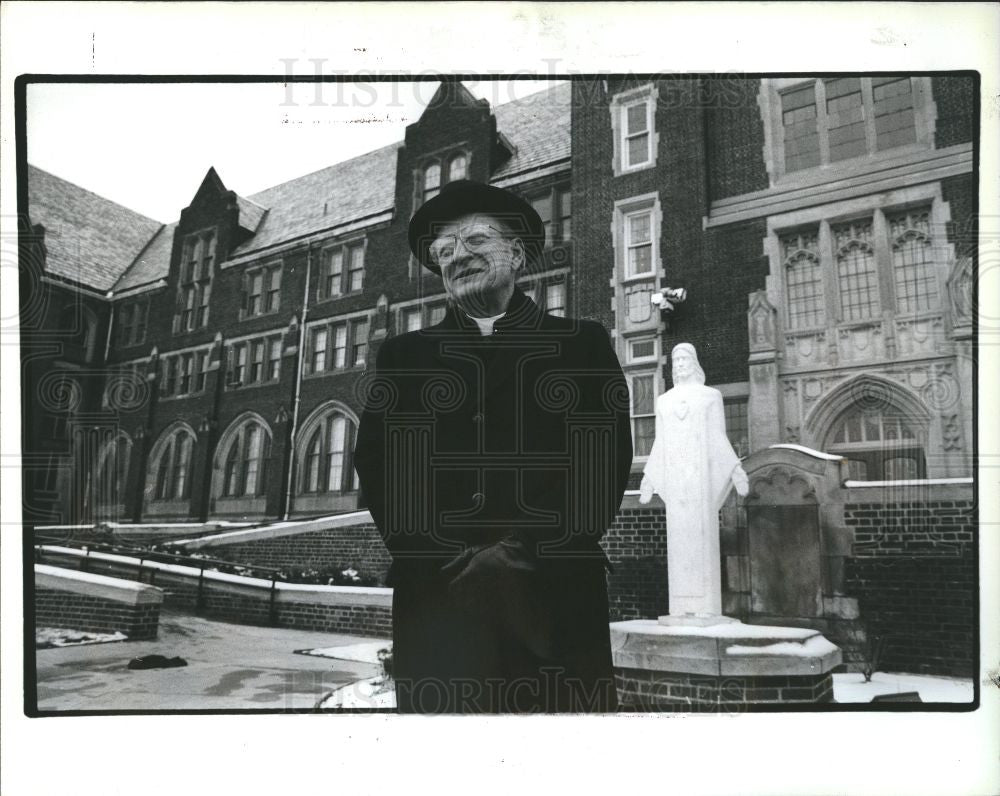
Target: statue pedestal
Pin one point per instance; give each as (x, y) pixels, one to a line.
(695, 620)
(728, 666)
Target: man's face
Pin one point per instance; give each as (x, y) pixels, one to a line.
(478, 262)
(683, 366)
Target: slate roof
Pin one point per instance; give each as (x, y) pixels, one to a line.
(539, 128)
(88, 239)
(152, 264)
(352, 189)
(113, 237)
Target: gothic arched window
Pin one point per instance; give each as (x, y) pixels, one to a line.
(171, 465)
(327, 460)
(245, 460)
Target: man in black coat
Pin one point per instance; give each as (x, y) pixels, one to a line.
(493, 454)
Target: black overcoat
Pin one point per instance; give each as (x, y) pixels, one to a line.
(492, 467)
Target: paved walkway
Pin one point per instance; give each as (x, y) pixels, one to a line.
(230, 667)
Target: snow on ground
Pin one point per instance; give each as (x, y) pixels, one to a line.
(47, 637)
(363, 653)
(852, 687)
(375, 693)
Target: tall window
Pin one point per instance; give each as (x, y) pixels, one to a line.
(857, 275)
(637, 133)
(555, 298)
(879, 445)
(639, 243)
(173, 466)
(254, 361)
(359, 343)
(643, 413)
(342, 271)
(432, 181)
(831, 120)
(327, 465)
(737, 425)
(113, 470)
(184, 372)
(195, 283)
(798, 115)
(804, 279)
(845, 118)
(894, 119)
(412, 319)
(132, 321)
(912, 261)
(554, 208)
(457, 168)
(246, 461)
(261, 291)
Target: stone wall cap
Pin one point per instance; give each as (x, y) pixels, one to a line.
(100, 586)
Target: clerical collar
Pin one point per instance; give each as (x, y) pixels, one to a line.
(486, 324)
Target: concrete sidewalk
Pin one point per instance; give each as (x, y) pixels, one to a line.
(230, 667)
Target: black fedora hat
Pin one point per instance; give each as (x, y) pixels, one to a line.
(464, 197)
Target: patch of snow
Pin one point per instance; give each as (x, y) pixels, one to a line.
(288, 526)
(852, 688)
(46, 637)
(815, 647)
(830, 457)
(372, 694)
(910, 482)
(363, 653)
(734, 630)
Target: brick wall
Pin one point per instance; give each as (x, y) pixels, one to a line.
(914, 572)
(954, 97)
(65, 609)
(734, 134)
(636, 544)
(359, 546)
(647, 690)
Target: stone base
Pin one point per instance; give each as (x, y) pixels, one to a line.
(695, 620)
(722, 666)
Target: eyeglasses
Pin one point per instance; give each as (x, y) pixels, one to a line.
(474, 239)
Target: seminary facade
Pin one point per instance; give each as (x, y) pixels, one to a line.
(823, 229)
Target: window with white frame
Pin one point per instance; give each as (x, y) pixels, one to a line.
(194, 286)
(639, 243)
(412, 319)
(830, 120)
(642, 349)
(327, 465)
(643, 404)
(337, 345)
(254, 361)
(245, 460)
(342, 271)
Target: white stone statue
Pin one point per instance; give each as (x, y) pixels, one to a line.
(692, 467)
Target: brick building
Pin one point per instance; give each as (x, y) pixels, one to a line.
(823, 229)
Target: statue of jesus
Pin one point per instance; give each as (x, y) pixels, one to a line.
(692, 467)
